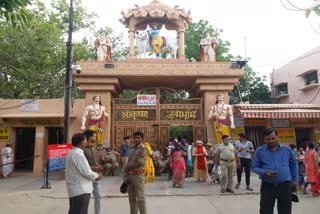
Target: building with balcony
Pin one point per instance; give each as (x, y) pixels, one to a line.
(298, 81)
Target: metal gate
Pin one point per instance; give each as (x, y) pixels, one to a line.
(154, 120)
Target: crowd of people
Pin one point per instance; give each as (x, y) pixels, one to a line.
(282, 170)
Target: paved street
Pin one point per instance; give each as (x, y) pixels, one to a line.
(23, 193)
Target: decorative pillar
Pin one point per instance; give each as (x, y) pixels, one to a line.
(181, 44)
(131, 42)
(40, 147)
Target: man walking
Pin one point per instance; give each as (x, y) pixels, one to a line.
(79, 176)
(278, 173)
(134, 175)
(125, 151)
(244, 148)
(226, 153)
(90, 154)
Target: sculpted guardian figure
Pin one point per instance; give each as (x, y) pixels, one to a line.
(96, 112)
(222, 116)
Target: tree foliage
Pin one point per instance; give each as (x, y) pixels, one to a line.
(32, 60)
(314, 9)
(252, 88)
(15, 12)
(196, 31)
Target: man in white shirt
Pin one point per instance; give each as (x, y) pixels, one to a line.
(244, 148)
(79, 176)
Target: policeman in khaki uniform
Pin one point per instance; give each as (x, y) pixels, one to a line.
(227, 155)
(135, 175)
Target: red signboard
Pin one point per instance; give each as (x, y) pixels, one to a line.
(58, 150)
(57, 154)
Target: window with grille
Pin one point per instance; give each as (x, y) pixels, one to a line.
(282, 89)
(311, 78)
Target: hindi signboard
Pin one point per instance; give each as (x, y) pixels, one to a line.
(180, 114)
(286, 135)
(29, 105)
(146, 100)
(135, 115)
(280, 123)
(57, 155)
(4, 135)
(235, 133)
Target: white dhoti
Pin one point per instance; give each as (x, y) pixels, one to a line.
(7, 166)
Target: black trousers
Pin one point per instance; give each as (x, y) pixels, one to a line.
(79, 204)
(271, 192)
(246, 164)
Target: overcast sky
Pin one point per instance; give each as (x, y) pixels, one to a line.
(274, 35)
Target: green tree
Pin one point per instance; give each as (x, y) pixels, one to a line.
(252, 88)
(32, 61)
(196, 31)
(314, 9)
(15, 12)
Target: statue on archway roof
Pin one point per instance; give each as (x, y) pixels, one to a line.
(208, 46)
(151, 41)
(103, 47)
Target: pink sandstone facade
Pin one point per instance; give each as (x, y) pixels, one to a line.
(44, 118)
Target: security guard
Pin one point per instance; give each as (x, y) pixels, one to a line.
(135, 175)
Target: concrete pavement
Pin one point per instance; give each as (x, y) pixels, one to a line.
(109, 187)
(23, 194)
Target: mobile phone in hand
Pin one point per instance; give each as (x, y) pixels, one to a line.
(273, 173)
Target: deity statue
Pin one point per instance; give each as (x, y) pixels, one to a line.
(222, 116)
(103, 47)
(156, 39)
(208, 49)
(96, 112)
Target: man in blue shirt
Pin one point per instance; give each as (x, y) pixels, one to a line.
(278, 173)
(125, 151)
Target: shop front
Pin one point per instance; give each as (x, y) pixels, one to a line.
(295, 123)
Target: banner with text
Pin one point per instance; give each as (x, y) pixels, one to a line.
(4, 135)
(180, 114)
(146, 100)
(135, 115)
(286, 135)
(57, 155)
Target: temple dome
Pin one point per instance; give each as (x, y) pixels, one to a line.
(155, 11)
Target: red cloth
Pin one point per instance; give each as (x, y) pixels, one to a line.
(98, 122)
(201, 164)
(178, 168)
(312, 170)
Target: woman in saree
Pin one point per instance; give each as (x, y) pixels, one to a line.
(178, 165)
(200, 170)
(312, 169)
(149, 167)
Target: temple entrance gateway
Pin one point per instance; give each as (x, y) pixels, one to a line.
(203, 80)
(153, 111)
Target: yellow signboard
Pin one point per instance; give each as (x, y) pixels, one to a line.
(235, 133)
(316, 136)
(4, 135)
(286, 135)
